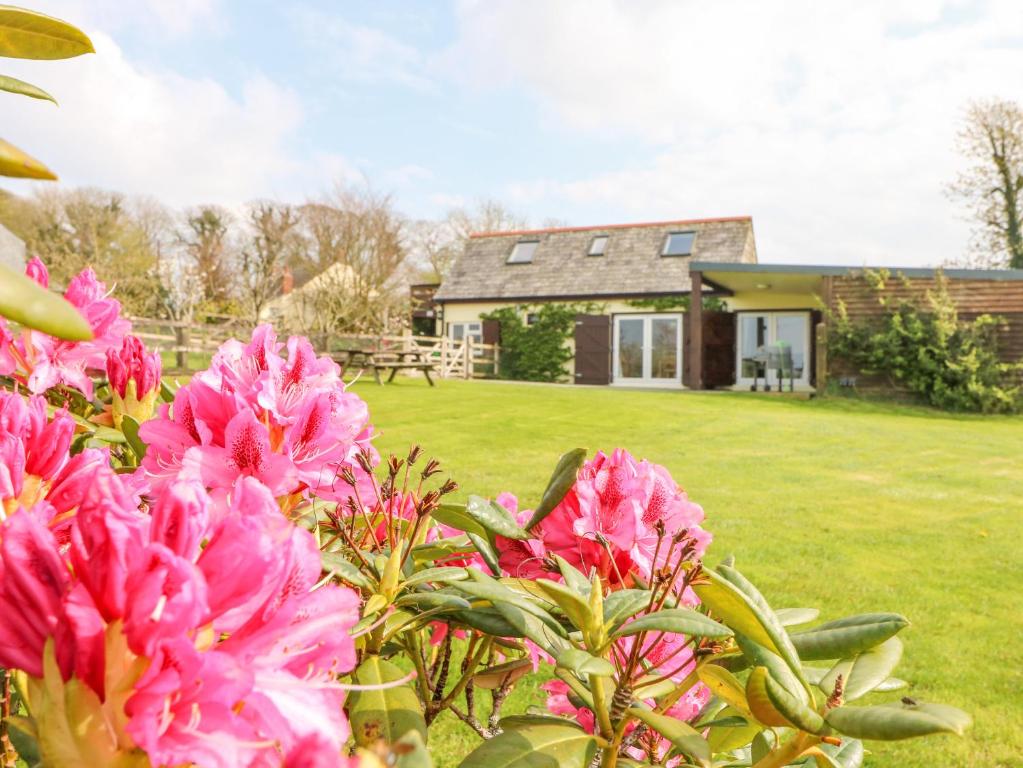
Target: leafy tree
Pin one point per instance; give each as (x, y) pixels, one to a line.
(537, 351)
(272, 241)
(991, 139)
(206, 241)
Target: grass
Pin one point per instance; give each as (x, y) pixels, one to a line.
(843, 505)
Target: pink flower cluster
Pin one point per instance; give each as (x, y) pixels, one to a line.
(42, 361)
(240, 651)
(609, 521)
(287, 422)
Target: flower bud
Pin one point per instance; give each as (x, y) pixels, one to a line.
(134, 380)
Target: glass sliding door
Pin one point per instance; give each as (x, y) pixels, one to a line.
(648, 349)
(760, 330)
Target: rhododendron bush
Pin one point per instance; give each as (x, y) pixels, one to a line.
(227, 573)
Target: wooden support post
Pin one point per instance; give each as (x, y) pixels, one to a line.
(821, 338)
(443, 357)
(497, 360)
(695, 319)
(468, 357)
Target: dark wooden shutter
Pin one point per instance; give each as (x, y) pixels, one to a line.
(816, 316)
(592, 349)
(718, 349)
(491, 331)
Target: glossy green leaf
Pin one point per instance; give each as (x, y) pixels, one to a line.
(561, 481)
(528, 625)
(574, 578)
(623, 604)
(333, 562)
(542, 744)
(433, 599)
(899, 720)
(791, 617)
(20, 165)
(584, 664)
(445, 574)
(683, 621)
(27, 303)
(20, 87)
(130, 428)
(22, 733)
(494, 518)
(724, 739)
(502, 674)
(387, 713)
(683, 736)
(725, 686)
(482, 586)
(456, 516)
(109, 435)
(486, 551)
(772, 705)
(758, 656)
(849, 754)
(575, 607)
(27, 34)
(863, 672)
(846, 637)
(410, 752)
(734, 608)
(490, 621)
(518, 722)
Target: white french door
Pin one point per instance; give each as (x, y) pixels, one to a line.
(759, 330)
(648, 349)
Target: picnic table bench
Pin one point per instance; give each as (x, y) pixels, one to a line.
(385, 360)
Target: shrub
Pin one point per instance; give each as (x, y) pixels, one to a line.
(923, 345)
(538, 351)
(231, 577)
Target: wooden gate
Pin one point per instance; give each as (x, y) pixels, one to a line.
(593, 349)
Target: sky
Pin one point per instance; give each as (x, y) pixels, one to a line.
(831, 123)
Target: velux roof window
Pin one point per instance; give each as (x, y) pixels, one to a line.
(598, 247)
(522, 252)
(678, 244)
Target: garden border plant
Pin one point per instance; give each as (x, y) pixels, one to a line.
(537, 351)
(227, 574)
(919, 342)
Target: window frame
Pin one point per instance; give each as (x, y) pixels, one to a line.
(593, 242)
(667, 242)
(511, 254)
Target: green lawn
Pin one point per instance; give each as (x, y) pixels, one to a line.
(840, 504)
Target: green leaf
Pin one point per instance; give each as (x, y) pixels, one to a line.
(725, 686)
(490, 589)
(433, 599)
(494, 518)
(560, 483)
(489, 621)
(494, 677)
(574, 578)
(683, 736)
(387, 713)
(527, 625)
(849, 754)
(456, 516)
(333, 562)
(724, 739)
(20, 87)
(863, 672)
(791, 617)
(27, 303)
(772, 705)
(899, 720)
(167, 390)
(847, 637)
(130, 428)
(541, 744)
(444, 574)
(758, 656)
(23, 735)
(572, 605)
(410, 752)
(109, 435)
(26, 34)
(682, 621)
(584, 664)
(735, 609)
(624, 604)
(486, 550)
(518, 722)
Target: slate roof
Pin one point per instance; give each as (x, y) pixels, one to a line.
(632, 265)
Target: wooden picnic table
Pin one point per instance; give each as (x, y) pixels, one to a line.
(374, 359)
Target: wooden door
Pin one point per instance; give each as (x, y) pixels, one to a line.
(718, 349)
(593, 349)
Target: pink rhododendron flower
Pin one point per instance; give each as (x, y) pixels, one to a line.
(241, 651)
(45, 361)
(609, 519)
(521, 559)
(134, 377)
(287, 422)
(33, 449)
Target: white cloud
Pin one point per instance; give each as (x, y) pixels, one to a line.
(832, 124)
(154, 132)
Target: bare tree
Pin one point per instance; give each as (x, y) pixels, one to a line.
(354, 241)
(992, 140)
(206, 241)
(272, 242)
(436, 245)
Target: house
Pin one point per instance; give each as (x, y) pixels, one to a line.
(685, 303)
(12, 250)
